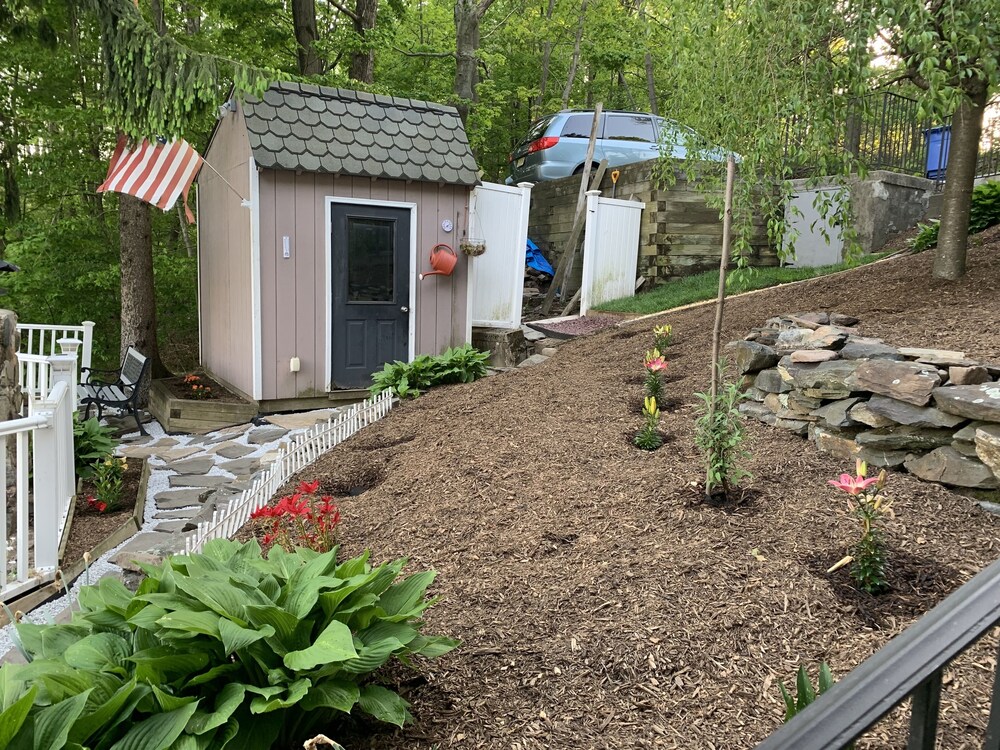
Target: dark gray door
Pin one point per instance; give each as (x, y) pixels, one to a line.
(371, 290)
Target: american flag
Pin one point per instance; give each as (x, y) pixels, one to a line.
(157, 173)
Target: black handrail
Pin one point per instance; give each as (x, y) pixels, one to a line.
(908, 665)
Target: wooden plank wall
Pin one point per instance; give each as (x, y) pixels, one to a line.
(293, 290)
(679, 234)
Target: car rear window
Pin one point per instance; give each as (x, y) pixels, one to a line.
(629, 128)
(536, 132)
(578, 126)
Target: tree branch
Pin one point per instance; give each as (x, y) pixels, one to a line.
(423, 54)
(484, 5)
(346, 11)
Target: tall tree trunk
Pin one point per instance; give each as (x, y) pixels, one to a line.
(192, 18)
(960, 176)
(467, 18)
(363, 61)
(138, 318)
(11, 190)
(575, 60)
(304, 23)
(648, 60)
(543, 79)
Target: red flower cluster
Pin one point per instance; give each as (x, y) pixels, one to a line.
(301, 520)
(198, 390)
(94, 504)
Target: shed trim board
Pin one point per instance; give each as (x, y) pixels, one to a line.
(197, 270)
(255, 311)
(411, 324)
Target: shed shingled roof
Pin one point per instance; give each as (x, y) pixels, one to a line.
(320, 129)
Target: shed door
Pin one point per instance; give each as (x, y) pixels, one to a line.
(371, 295)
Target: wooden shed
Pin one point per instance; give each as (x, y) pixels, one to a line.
(319, 214)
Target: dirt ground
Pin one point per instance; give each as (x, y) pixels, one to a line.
(597, 604)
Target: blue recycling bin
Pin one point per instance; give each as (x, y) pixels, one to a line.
(938, 142)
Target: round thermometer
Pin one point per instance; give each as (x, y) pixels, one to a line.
(446, 225)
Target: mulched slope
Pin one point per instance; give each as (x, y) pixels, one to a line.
(598, 607)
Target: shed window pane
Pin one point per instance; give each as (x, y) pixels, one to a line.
(370, 260)
(629, 128)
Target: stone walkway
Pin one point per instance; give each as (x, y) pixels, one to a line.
(194, 475)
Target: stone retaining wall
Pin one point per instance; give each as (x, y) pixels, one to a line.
(932, 412)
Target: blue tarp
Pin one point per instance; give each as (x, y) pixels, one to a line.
(535, 259)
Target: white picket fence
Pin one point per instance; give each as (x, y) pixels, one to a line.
(610, 249)
(301, 452)
(42, 340)
(33, 358)
(42, 497)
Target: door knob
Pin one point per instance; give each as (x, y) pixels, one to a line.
(405, 309)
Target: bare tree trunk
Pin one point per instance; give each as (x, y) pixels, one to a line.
(575, 60)
(650, 80)
(468, 14)
(138, 318)
(543, 79)
(11, 190)
(304, 22)
(192, 18)
(363, 61)
(953, 237)
(623, 85)
(159, 20)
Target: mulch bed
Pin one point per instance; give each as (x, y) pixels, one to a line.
(89, 527)
(598, 605)
(220, 394)
(566, 329)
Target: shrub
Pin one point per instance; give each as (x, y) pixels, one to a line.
(719, 435)
(868, 555)
(648, 438)
(984, 214)
(460, 364)
(301, 520)
(92, 443)
(221, 649)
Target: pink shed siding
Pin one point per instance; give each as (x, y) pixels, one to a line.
(293, 290)
(224, 257)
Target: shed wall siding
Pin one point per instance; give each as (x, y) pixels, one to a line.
(293, 290)
(224, 257)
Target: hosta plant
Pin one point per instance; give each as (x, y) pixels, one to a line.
(460, 364)
(224, 649)
(92, 442)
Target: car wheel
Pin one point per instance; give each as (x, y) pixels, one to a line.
(579, 170)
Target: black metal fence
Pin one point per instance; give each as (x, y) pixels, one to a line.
(908, 666)
(886, 132)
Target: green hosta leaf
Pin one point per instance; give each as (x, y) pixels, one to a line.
(147, 617)
(371, 658)
(335, 643)
(188, 623)
(340, 695)
(170, 702)
(222, 549)
(52, 724)
(49, 641)
(296, 692)
(226, 703)
(432, 646)
(157, 732)
(235, 638)
(218, 596)
(173, 601)
(398, 632)
(270, 587)
(281, 622)
(101, 652)
(64, 684)
(301, 594)
(12, 719)
(213, 673)
(122, 702)
(160, 663)
(114, 594)
(384, 705)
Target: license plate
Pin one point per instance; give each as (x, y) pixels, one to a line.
(520, 162)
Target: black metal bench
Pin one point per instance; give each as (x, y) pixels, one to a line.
(120, 391)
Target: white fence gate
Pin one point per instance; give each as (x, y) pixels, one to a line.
(817, 241)
(41, 498)
(610, 249)
(498, 217)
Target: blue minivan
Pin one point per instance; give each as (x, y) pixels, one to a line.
(556, 146)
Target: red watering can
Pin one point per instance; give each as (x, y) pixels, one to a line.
(443, 260)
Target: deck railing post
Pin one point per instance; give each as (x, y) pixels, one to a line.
(924, 707)
(45, 505)
(71, 348)
(88, 343)
(993, 727)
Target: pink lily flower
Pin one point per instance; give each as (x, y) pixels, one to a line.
(853, 485)
(656, 364)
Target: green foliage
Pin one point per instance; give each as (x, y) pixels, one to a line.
(653, 385)
(719, 436)
(460, 364)
(985, 213)
(869, 567)
(109, 476)
(805, 695)
(648, 438)
(92, 442)
(225, 649)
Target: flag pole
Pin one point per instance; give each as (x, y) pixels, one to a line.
(205, 162)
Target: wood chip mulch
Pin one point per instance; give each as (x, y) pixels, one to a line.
(89, 526)
(599, 606)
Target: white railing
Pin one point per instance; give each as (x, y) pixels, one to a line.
(305, 449)
(35, 375)
(42, 497)
(44, 339)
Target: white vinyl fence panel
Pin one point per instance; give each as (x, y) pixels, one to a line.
(610, 249)
(498, 216)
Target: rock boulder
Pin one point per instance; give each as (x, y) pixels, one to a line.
(948, 466)
(906, 381)
(901, 412)
(980, 402)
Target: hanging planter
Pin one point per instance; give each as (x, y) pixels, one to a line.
(472, 247)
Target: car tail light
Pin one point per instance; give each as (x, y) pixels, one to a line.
(542, 143)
